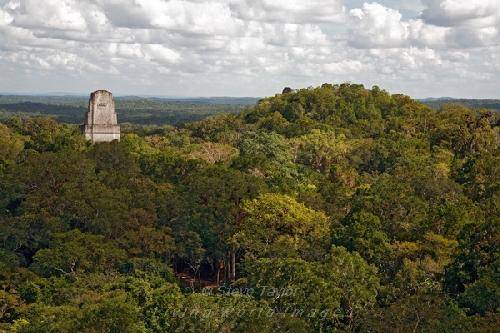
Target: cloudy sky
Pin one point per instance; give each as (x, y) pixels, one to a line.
(249, 47)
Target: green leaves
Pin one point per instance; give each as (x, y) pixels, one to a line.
(76, 252)
(332, 292)
(321, 150)
(277, 225)
(114, 313)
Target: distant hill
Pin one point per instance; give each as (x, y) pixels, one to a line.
(68, 99)
(138, 110)
(142, 110)
(436, 103)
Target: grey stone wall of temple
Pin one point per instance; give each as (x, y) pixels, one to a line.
(101, 124)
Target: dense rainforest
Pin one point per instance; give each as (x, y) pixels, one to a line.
(328, 209)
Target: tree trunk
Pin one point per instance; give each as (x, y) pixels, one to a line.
(227, 270)
(233, 265)
(220, 266)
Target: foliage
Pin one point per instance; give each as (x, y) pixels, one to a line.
(336, 208)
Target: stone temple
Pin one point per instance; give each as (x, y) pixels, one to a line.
(101, 124)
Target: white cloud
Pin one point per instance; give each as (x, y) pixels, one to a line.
(426, 35)
(287, 34)
(374, 25)
(48, 60)
(5, 18)
(161, 54)
(457, 12)
(244, 47)
(346, 67)
(472, 23)
(195, 17)
(49, 14)
(290, 11)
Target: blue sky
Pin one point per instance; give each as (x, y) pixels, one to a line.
(424, 48)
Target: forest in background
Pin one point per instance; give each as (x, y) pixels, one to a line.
(133, 110)
(336, 208)
(436, 103)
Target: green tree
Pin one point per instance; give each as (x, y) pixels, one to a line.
(74, 252)
(331, 294)
(276, 225)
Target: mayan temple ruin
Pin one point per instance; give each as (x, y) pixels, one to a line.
(101, 123)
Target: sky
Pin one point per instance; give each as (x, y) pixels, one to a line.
(423, 48)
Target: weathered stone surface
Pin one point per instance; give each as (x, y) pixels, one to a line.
(101, 123)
